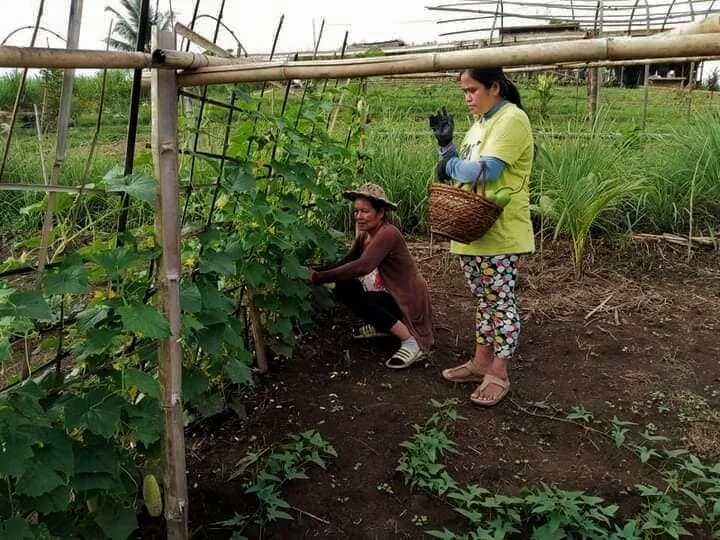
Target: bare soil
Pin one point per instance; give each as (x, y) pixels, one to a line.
(636, 338)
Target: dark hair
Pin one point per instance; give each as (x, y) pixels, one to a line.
(488, 76)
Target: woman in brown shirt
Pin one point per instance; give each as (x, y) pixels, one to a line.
(379, 280)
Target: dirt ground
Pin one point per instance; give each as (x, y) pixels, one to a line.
(636, 338)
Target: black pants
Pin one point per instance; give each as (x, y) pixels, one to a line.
(373, 307)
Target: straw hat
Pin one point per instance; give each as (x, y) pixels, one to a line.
(370, 191)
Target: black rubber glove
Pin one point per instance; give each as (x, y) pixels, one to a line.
(441, 123)
(442, 174)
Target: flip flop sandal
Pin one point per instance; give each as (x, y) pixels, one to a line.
(462, 373)
(487, 381)
(367, 331)
(404, 358)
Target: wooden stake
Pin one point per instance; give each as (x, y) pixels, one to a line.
(257, 332)
(165, 158)
(76, 8)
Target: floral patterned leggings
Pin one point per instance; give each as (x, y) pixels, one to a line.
(497, 320)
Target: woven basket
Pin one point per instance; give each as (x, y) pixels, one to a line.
(461, 215)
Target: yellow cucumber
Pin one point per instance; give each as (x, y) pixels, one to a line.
(151, 495)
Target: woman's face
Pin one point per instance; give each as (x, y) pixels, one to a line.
(478, 97)
(366, 217)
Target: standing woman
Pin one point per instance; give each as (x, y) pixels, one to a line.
(498, 149)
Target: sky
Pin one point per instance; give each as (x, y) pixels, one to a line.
(366, 20)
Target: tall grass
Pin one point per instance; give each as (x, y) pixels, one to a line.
(687, 161)
(583, 181)
(405, 166)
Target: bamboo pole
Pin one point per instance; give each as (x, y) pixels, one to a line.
(570, 65)
(76, 8)
(568, 51)
(19, 93)
(33, 57)
(519, 55)
(202, 41)
(165, 158)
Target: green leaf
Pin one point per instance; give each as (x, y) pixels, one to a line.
(99, 412)
(93, 481)
(194, 383)
(144, 420)
(136, 185)
(15, 453)
(217, 262)
(209, 405)
(57, 500)
(38, 480)
(70, 280)
(190, 298)
(97, 342)
(95, 456)
(210, 338)
(256, 273)
(116, 261)
(239, 371)
(116, 521)
(5, 293)
(56, 451)
(5, 349)
(233, 336)
(92, 317)
(239, 178)
(213, 300)
(15, 528)
(30, 304)
(144, 382)
(144, 321)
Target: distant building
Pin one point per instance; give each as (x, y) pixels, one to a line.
(556, 31)
(390, 43)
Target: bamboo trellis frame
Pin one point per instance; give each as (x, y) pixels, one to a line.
(617, 15)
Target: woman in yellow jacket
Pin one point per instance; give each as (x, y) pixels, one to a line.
(498, 149)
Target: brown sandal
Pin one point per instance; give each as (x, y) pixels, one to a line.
(504, 384)
(462, 373)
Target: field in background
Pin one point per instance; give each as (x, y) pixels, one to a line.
(667, 158)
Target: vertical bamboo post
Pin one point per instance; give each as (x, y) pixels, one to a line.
(690, 85)
(165, 159)
(647, 96)
(73, 39)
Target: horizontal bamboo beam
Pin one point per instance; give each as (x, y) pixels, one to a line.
(162, 58)
(584, 50)
(35, 57)
(572, 65)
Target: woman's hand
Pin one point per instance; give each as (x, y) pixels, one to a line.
(442, 124)
(311, 276)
